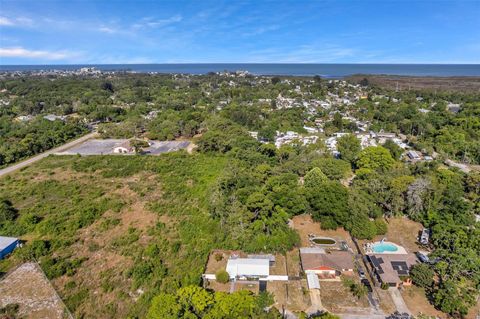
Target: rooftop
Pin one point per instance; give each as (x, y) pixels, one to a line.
(390, 267)
(338, 260)
(6, 241)
(246, 267)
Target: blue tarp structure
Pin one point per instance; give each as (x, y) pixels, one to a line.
(7, 245)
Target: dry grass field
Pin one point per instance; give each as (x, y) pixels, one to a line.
(462, 84)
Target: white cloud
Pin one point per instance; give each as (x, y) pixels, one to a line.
(6, 21)
(155, 23)
(261, 30)
(18, 21)
(108, 30)
(19, 52)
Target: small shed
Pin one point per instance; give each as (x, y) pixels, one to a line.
(123, 148)
(7, 245)
(312, 280)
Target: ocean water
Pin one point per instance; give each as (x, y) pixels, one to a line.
(324, 70)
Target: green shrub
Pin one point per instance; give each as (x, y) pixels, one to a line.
(222, 276)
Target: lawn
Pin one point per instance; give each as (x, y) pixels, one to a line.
(113, 231)
(418, 303)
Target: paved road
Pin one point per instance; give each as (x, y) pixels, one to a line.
(38, 157)
(398, 300)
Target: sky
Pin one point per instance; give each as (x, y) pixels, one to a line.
(204, 31)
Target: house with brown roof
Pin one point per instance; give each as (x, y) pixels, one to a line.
(326, 264)
(392, 269)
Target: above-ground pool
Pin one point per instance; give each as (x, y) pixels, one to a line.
(382, 247)
(323, 241)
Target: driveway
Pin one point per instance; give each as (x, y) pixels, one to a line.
(36, 158)
(316, 301)
(398, 300)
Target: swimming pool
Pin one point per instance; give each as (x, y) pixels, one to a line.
(382, 247)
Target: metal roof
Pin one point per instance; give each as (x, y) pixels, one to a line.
(248, 267)
(312, 281)
(6, 241)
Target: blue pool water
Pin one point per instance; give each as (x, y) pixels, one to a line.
(383, 247)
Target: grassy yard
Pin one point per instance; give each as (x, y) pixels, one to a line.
(112, 231)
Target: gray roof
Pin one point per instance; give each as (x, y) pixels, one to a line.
(312, 250)
(6, 241)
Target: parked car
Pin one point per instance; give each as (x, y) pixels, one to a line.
(361, 272)
(423, 257)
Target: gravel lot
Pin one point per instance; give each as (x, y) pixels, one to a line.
(106, 146)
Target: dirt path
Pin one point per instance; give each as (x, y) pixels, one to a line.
(36, 158)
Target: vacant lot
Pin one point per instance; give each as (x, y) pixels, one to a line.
(418, 303)
(106, 146)
(292, 295)
(116, 229)
(338, 298)
(27, 287)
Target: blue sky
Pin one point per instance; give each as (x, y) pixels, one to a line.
(203, 31)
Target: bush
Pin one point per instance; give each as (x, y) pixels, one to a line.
(218, 256)
(222, 276)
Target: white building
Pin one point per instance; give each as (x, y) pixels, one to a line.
(123, 148)
(242, 268)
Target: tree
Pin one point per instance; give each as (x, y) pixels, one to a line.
(454, 298)
(422, 275)
(7, 211)
(195, 298)
(275, 80)
(324, 315)
(333, 168)
(138, 145)
(418, 194)
(338, 121)
(315, 178)
(349, 147)
(107, 86)
(222, 276)
(375, 158)
(164, 306)
(329, 204)
(395, 150)
(359, 290)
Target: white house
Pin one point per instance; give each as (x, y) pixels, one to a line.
(241, 268)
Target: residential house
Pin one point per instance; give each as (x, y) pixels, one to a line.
(326, 264)
(248, 268)
(53, 117)
(392, 269)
